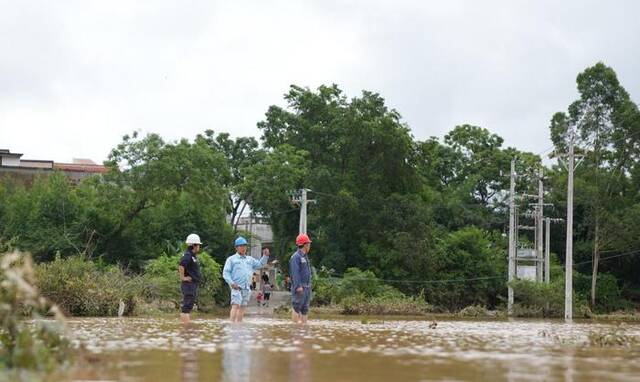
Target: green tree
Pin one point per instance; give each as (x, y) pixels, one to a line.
(604, 118)
(152, 179)
(268, 185)
(241, 154)
(361, 155)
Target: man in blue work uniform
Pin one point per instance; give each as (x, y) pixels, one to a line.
(237, 272)
(189, 276)
(300, 271)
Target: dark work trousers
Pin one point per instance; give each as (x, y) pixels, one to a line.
(189, 294)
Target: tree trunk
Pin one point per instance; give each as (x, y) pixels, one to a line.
(235, 225)
(596, 259)
(234, 212)
(245, 202)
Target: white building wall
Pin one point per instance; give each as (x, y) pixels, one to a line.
(10, 160)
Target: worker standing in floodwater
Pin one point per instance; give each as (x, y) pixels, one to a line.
(189, 271)
(300, 271)
(237, 272)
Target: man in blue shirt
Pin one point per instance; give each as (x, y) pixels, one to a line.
(300, 271)
(189, 271)
(237, 272)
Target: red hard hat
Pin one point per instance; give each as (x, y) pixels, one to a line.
(302, 239)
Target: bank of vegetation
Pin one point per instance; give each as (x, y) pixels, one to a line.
(421, 222)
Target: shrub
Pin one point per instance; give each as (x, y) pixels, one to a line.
(538, 299)
(385, 305)
(163, 281)
(354, 283)
(357, 282)
(39, 345)
(608, 294)
(82, 288)
(534, 299)
(324, 287)
(467, 254)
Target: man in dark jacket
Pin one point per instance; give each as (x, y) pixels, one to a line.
(300, 271)
(189, 276)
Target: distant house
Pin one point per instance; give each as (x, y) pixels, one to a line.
(24, 170)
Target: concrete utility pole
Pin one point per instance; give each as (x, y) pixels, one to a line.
(547, 250)
(568, 282)
(301, 199)
(512, 234)
(303, 212)
(539, 226)
(251, 233)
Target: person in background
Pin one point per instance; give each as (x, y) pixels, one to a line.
(189, 271)
(300, 271)
(237, 272)
(266, 292)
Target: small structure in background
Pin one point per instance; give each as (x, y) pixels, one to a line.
(526, 272)
(528, 263)
(25, 170)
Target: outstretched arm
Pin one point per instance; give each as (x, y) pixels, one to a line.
(257, 264)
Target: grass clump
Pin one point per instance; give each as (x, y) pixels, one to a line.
(614, 337)
(473, 311)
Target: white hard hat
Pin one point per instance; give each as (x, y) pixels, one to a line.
(193, 239)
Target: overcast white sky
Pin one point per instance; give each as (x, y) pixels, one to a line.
(77, 75)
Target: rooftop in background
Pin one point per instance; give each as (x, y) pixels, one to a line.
(12, 163)
(83, 161)
(81, 165)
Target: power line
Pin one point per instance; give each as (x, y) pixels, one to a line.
(420, 281)
(546, 150)
(624, 138)
(635, 252)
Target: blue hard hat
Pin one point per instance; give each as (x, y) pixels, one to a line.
(240, 241)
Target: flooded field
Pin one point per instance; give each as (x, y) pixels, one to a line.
(139, 349)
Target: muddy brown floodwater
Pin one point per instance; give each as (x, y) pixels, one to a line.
(264, 349)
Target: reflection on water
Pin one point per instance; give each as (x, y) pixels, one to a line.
(188, 357)
(236, 353)
(342, 350)
(300, 360)
(568, 365)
